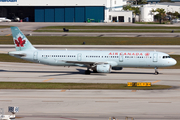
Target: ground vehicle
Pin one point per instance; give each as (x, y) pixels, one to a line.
(4, 19)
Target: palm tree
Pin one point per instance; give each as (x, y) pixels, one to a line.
(136, 11)
(126, 7)
(161, 14)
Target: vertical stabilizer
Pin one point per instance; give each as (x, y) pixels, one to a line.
(20, 40)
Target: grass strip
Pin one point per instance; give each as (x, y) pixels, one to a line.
(114, 31)
(110, 27)
(4, 26)
(60, 40)
(33, 85)
(8, 58)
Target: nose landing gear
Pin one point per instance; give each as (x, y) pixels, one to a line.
(156, 71)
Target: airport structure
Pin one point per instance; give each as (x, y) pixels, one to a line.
(66, 10)
(148, 16)
(158, 1)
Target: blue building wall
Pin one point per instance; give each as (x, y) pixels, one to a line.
(59, 15)
(69, 14)
(80, 14)
(96, 13)
(49, 15)
(39, 14)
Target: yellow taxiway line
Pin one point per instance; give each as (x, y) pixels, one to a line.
(133, 91)
(63, 90)
(8, 34)
(171, 53)
(48, 79)
(156, 81)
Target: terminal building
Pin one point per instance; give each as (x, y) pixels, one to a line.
(66, 10)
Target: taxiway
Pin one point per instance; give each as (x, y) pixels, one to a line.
(31, 72)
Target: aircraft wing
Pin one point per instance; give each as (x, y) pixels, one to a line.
(84, 62)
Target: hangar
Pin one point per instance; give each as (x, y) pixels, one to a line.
(65, 10)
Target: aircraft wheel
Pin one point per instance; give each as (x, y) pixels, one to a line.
(156, 73)
(87, 72)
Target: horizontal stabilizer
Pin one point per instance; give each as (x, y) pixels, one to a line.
(17, 54)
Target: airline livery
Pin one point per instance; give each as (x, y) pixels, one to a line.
(98, 61)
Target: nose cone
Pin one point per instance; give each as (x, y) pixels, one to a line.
(173, 62)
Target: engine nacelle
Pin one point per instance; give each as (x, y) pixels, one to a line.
(117, 68)
(103, 68)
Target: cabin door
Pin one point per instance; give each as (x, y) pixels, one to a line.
(35, 56)
(155, 57)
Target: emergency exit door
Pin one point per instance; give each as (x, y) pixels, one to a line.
(79, 56)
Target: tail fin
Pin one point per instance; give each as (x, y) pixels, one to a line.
(20, 40)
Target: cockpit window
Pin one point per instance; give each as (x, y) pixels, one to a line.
(166, 57)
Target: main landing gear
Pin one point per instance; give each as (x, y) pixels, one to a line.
(95, 71)
(156, 71)
(88, 72)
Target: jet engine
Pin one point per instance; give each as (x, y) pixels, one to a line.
(117, 68)
(103, 68)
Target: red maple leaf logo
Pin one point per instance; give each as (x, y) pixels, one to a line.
(147, 54)
(20, 42)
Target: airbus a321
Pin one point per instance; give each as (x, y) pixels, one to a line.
(97, 61)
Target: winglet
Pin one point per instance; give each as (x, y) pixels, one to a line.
(20, 40)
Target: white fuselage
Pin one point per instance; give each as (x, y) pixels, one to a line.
(114, 58)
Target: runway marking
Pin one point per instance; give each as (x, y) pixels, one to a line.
(63, 90)
(133, 91)
(171, 53)
(6, 100)
(8, 34)
(48, 79)
(108, 101)
(52, 101)
(156, 81)
(160, 102)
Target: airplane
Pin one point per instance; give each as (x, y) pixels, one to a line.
(97, 61)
